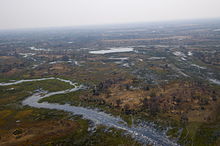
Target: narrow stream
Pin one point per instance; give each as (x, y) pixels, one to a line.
(144, 134)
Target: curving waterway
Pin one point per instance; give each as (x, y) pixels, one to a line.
(144, 134)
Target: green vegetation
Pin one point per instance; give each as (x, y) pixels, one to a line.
(15, 93)
(102, 136)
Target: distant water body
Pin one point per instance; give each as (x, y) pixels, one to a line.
(112, 50)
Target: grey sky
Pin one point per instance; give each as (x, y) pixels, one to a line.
(45, 13)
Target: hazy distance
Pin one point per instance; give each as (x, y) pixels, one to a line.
(47, 13)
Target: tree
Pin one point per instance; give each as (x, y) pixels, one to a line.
(152, 94)
(127, 109)
(65, 58)
(146, 88)
(184, 119)
(145, 102)
(118, 102)
(154, 108)
(95, 92)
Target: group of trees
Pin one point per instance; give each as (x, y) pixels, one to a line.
(151, 105)
(102, 87)
(7, 67)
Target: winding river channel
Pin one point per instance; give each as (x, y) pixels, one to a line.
(144, 134)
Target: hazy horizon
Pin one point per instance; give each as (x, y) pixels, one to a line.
(56, 13)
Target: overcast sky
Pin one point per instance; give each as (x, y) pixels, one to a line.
(46, 13)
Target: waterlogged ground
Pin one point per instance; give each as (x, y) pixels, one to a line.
(112, 50)
(145, 133)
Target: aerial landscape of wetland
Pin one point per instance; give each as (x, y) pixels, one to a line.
(88, 87)
(101, 73)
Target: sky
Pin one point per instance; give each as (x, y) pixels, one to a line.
(55, 13)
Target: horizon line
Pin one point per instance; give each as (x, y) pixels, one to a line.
(90, 26)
